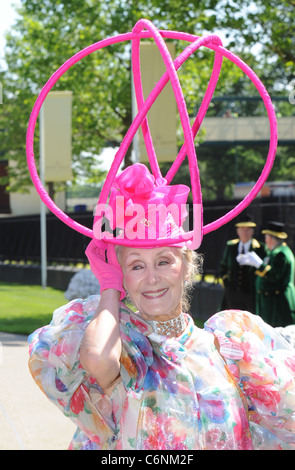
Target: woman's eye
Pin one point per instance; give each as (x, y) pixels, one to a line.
(163, 262)
(136, 267)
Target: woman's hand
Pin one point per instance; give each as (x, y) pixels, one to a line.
(107, 271)
(101, 346)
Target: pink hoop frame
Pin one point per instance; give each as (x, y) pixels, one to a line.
(211, 42)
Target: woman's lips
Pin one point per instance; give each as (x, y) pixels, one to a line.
(154, 294)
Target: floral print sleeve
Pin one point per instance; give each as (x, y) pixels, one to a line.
(55, 366)
(263, 364)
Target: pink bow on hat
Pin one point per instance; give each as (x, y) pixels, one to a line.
(144, 208)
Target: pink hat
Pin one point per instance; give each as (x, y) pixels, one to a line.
(144, 209)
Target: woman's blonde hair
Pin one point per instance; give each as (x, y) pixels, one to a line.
(193, 263)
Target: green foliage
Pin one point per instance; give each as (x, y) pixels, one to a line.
(48, 32)
(269, 26)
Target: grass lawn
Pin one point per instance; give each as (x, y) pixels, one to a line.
(24, 308)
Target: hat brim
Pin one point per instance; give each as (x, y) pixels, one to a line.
(245, 224)
(281, 235)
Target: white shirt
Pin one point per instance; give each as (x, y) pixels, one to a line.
(245, 245)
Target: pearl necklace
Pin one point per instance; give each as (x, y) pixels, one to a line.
(173, 327)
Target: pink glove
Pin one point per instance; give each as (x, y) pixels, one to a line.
(108, 273)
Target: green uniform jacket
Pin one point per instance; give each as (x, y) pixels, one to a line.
(239, 281)
(275, 287)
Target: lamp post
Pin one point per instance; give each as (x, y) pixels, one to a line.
(55, 154)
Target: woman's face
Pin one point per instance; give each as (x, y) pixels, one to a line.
(154, 279)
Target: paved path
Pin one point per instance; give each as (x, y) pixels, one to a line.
(28, 421)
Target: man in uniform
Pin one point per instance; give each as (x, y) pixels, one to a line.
(238, 280)
(275, 277)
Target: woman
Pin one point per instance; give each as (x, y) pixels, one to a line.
(156, 280)
(152, 379)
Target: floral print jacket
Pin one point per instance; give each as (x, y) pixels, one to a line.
(227, 386)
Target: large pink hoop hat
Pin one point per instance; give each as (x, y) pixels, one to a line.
(159, 207)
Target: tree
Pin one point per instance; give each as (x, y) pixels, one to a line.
(269, 26)
(46, 34)
(263, 34)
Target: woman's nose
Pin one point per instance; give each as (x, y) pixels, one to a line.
(152, 276)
